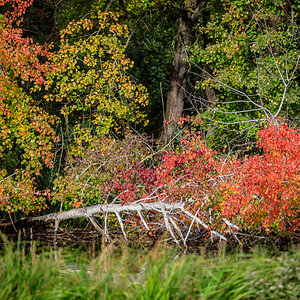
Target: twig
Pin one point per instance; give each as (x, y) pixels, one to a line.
(95, 224)
(121, 224)
(168, 226)
(190, 227)
(143, 220)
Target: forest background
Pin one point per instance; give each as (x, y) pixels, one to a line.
(190, 103)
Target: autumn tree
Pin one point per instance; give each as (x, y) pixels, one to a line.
(93, 87)
(26, 135)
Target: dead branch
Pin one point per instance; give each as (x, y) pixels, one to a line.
(166, 209)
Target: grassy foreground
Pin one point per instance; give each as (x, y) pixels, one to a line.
(161, 274)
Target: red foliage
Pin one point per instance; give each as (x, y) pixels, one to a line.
(133, 183)
(187, 171)
(26, 133)
(19, 56)
(261, 191)
(265, 190)
(16, 9)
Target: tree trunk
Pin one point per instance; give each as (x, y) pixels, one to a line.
(211, 98)
(180, 66)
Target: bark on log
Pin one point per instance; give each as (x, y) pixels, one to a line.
(166, 209)
(105, 208)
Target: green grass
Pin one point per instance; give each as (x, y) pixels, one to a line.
(118, 274)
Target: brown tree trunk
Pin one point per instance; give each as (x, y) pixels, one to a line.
(180, 66)
(211, 103)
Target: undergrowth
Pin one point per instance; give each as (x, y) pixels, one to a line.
(160, 274)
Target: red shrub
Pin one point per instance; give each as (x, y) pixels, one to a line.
(265, 190)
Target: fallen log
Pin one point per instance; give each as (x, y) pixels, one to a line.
(84, 212)
(168, 211)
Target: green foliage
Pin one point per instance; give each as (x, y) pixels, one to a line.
(72, 10)
(160, 274)
(252, 53)
(93, 86)
(150, 44)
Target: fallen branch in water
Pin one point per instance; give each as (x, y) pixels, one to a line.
(166, 209)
